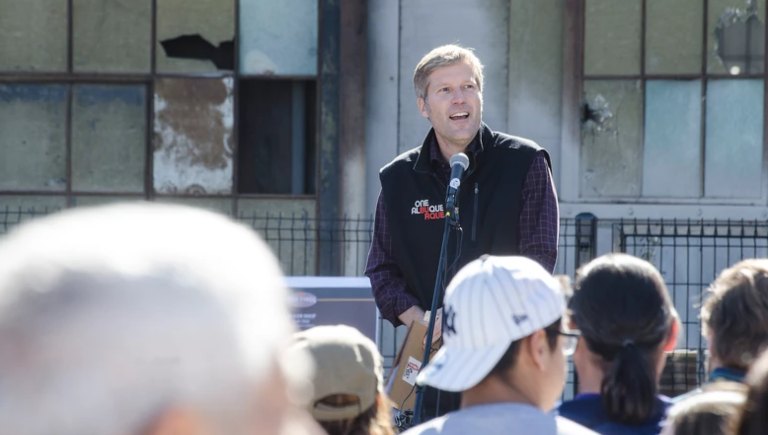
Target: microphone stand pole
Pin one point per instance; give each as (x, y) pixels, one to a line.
(451, 220)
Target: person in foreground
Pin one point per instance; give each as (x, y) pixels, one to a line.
(347, 384)
(144, 319)
(504, 349)
(707, 413)
(627, 321)
(734, 319)
(753, 418)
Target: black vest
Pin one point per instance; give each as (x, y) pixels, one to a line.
(490, 201)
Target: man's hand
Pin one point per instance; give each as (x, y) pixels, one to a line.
(437, 332)
(413, 314)
(416, 314)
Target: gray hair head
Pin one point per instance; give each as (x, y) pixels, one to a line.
(111, 315)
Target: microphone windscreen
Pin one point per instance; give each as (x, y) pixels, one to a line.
(460, 159)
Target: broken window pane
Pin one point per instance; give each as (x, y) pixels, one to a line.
(278, 37)
(108, 138)
(193, 136)
(672, 144)
(611, 132)
(33, 35)
(735, 36)
(195, 36)
(277, 136)
(673, 20)
(112, 35)
(32, 122)
(612, 37)
(734, 138)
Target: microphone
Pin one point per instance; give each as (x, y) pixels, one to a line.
(459, 163)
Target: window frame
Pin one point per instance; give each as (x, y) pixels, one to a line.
(71, 77)
(574, 79)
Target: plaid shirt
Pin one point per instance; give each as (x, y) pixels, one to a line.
(539, 227)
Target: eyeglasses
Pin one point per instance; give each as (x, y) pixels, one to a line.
(571, 341)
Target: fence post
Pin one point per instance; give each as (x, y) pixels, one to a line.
(586, 250)
(586, 238)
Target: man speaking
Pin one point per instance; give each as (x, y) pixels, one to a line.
(507, 198)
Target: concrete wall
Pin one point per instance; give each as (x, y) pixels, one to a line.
(535, 73)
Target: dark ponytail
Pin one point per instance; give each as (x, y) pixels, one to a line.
(622, 308)
(628, 390)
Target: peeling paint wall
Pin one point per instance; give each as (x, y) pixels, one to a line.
(193, 136)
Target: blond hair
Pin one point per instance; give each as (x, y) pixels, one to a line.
(445, 55)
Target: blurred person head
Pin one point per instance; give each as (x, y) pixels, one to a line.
(753, 419)
(142, 319)
(622, 308)
(348, 395)
(502, 335)
(735, 315)
(706, 413)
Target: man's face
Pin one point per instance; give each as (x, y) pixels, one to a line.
(454, 106)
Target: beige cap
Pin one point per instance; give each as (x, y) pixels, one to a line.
(346, 362)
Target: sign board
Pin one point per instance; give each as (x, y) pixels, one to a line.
(331, 300)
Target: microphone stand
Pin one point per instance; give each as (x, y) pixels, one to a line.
(451, 221)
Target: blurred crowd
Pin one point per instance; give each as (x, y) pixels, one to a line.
(159, 320)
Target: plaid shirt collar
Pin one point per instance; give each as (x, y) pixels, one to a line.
(436, 161)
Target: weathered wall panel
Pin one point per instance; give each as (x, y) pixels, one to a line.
(193, 136)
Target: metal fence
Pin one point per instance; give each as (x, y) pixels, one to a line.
(301, 242)
(688, 253)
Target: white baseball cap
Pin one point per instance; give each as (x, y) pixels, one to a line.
(490, 303)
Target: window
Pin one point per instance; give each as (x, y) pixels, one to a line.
(673, 100)
(192, 100)
(277, 119)
(278, 54)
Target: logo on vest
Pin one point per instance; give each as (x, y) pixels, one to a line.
(430, 212)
